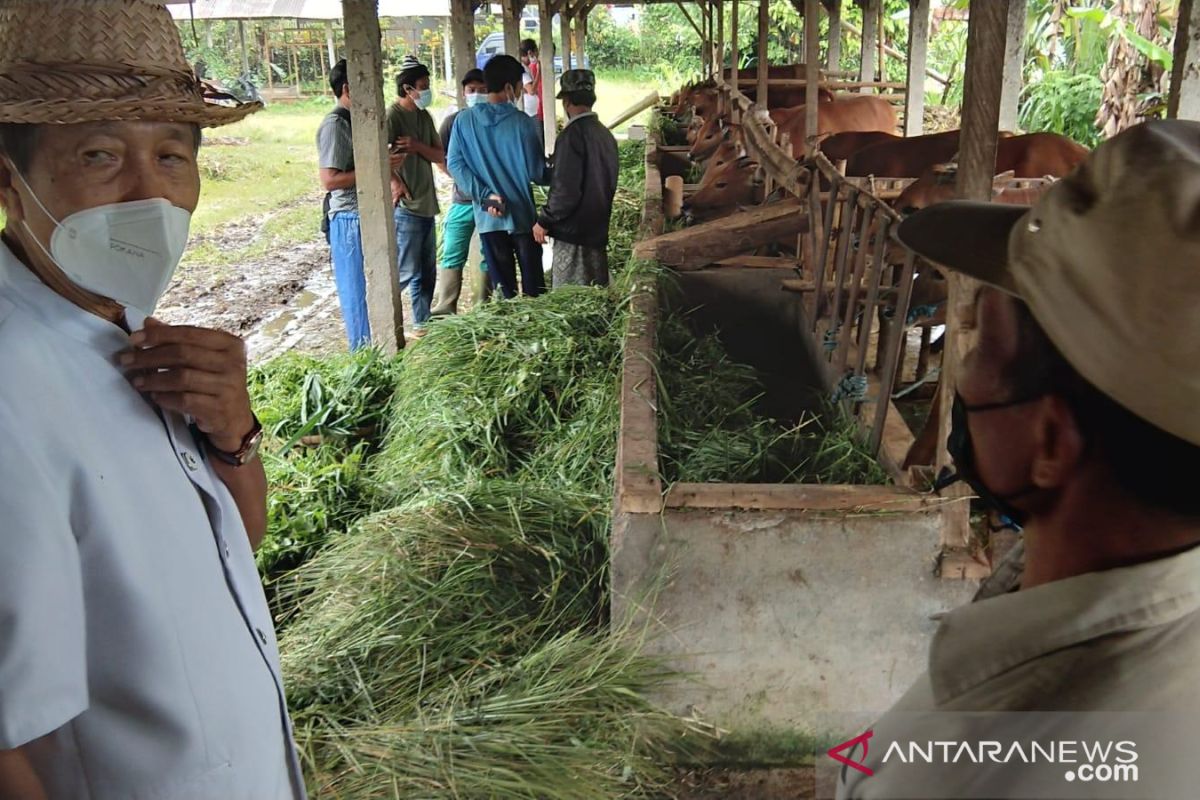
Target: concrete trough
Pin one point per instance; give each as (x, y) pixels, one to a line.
(786, 605)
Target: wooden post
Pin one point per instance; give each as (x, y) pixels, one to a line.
(673, 197)
(267, 57)
(330, 43)
(546, 59)
(296, 69)
(764, 26)
(581, 30)
(812, 73)
(1183, 102)
(365, 73)
(987, 31)
(706, 53)
(833, 60)
(918, 52)
(462, 27)
(866, 71)
(564, 33)
(719, 49)
(447, 57)
(511, 14)
(245, 52)
(208, 39)
(881, 34)
(734, 53)
(1014, 61)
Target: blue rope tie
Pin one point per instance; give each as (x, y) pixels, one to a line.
(831, 340)
(916, 312)
(851, 387)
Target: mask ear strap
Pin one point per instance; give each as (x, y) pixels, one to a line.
(36, 199)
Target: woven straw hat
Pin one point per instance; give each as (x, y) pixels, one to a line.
(70, 61)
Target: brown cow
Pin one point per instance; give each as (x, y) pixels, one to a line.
(710, 136)
(728, 186)
(906, 157)
(840, 146)
(861, 113)
(727, 151)
(1033, 155)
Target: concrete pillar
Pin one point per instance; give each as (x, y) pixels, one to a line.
(564, 34)
(365, 73)
(1183, 102)
(870, 35)
(446, 58)
(330, 43)
(918, 51)
(462, 32)
(1014, 60)
(208, 37)
(833, 60)
(581, 31)
(734, 52)
(245, 51)
(546, 59)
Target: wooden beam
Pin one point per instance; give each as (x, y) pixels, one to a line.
(1183, 102)
(812, 72)
(719, 45)
(764, 27)
(740, 232)
(1014, 63)
(800, 83)
(546, 59)
(758, 262)
(833, 58)
(638, 487)
(891, 51)
(799, 497)
(688, 15)
(462, 29)
(918, 54)
(372, 174)
(866, 70)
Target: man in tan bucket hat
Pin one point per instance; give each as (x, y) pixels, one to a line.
(1077, 415)
(137, 653)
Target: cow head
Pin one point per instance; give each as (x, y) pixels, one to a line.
(727, 187)
(693, 128)
(728, 151)
(712, 133)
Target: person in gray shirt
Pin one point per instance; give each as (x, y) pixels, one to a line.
(335, 152)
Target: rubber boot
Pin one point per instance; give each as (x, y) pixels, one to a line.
(449, 287)
(483, 289)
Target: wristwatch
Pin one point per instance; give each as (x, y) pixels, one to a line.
(244, 454)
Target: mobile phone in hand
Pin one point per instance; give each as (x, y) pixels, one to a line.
(490, 203)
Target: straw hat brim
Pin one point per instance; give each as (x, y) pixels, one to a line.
(64, 94)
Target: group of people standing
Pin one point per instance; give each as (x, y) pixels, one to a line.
(493, 150)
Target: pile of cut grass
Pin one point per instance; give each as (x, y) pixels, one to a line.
(711, 432)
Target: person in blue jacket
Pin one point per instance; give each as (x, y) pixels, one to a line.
(494, 156)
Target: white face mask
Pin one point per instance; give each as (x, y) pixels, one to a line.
(475, 99)
(126, 252)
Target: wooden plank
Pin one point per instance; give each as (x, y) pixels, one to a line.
(638, 487)
(893, 353)
(803, 286)
(860, 268)
(779, 165)
(918, 55)
(867, 318)
(895, 439)
(1183, 102)
(798, 497)
(758, 262)
(870, 12)
(699, 245)
(800, 83)
(373, 175)
(846, 218)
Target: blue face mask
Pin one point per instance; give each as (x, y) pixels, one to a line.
(474, 100)
(424, 98)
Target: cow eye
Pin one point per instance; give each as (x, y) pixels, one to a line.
(909, 210)
(722, 184)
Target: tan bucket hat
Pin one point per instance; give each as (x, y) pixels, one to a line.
(1108, 261)
(69, 61)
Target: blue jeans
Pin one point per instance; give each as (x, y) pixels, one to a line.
(416, 243)
(503, 251)
(345, 242)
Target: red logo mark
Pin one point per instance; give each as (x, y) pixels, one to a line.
(836, 752)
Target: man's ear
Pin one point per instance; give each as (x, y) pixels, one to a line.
(1059, 443)
(10, 200)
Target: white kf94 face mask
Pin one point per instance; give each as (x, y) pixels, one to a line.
(126, 252)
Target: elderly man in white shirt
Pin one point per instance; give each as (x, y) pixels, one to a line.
(137, 654)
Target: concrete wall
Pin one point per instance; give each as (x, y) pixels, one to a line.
(784, 618)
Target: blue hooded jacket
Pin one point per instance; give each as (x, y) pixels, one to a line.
(496, 150)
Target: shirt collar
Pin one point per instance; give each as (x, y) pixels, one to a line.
(983, 639)
(27, 291)
(579, 116)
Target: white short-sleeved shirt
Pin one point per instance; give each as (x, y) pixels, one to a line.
(137, 655)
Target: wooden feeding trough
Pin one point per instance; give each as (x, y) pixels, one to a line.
(785, 603)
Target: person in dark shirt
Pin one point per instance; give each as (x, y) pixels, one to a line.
(582, 188)
(458, 224)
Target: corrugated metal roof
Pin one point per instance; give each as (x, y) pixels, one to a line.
(299, 9)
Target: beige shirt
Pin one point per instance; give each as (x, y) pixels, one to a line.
(1123, 640)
